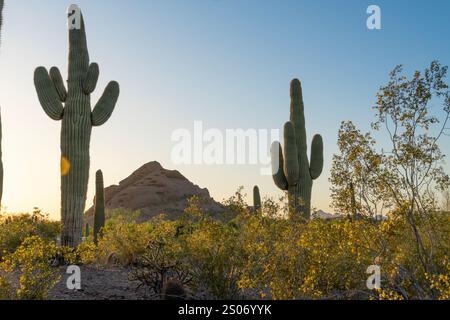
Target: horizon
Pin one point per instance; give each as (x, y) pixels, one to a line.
(227, 64)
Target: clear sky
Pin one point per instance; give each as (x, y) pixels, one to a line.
(224, 62)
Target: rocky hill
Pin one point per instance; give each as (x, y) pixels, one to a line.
(154, 190)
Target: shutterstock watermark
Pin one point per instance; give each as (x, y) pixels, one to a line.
(223, 147)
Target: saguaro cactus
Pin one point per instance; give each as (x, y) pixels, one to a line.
(87, 231)
(256, 199)
(293, 172)
(99, 205)
(1, 16)
(73, 107)
(1, 162)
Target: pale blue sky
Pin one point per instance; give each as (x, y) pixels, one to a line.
(226, 63)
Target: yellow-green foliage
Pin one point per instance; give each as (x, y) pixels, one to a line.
(213, 250)
(328, 259)
(16, 228)
(441, 282)
(121, 242)
(266, 256)
(252, 256)
(32, 264)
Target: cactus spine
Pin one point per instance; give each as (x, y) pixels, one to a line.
(293, 172)
(99, 205)
(256, 199)
(77, 122)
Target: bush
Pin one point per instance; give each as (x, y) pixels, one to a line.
(268, 256)
(14, 229)
(159, 269)
(33, 263)
(122, 242)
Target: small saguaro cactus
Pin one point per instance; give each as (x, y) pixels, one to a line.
(256, 199)
(73, 107)
(99, 205)
(87, 231)
(293, 171)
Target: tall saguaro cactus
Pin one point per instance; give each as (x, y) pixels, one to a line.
(293, 171)
(73, 107)
(1, 162)
(1, 16)
(99, 205)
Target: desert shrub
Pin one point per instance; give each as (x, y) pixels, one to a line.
(213, 252)
(270, 256)
(122, 215)
(30, 272)
(405, 273)
(195, 250)
(122, 242)
(159, 267)
(288, 259)
(14, 229)
(88, 252)
(441, 282)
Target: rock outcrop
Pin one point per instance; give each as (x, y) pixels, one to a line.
(154, 190)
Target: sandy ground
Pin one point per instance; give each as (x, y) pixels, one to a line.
(99, 284)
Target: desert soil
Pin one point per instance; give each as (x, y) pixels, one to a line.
(99, 284)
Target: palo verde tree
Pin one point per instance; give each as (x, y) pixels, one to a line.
(355, 174)
(73, 107)
(413, 163)
(446, 200)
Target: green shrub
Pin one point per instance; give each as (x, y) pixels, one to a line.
(160, 268)
(32, 263)
(14, 229)
(122, 242)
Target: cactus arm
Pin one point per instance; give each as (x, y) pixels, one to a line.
(291, 169)
(47, 94)
(105, 106)
(276, 153)
(256, 199)
(316, 165)
(58, 82)
(90, 82)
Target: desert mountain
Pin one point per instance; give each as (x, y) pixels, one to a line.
(320, 214)
(154, 190)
